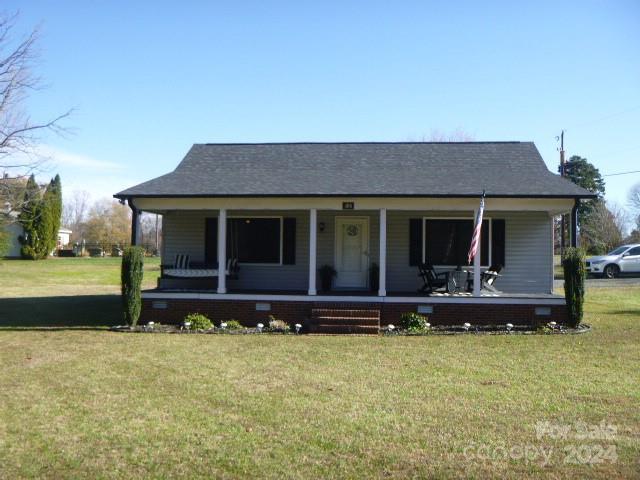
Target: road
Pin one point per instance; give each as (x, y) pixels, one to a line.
(596, 282)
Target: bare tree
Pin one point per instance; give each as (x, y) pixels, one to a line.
(634, 198)
(151, 229)
(458, 135)
(18, 132)
(108, 224)
(604, 229)
(74, 212)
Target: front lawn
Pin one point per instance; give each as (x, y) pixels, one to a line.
(96, 404)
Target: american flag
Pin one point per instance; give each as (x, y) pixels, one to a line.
(477, 229)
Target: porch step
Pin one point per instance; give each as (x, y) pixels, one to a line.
(345, 321)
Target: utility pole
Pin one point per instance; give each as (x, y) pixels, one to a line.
(562, 174)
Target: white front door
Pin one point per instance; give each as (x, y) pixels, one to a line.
(352, 252)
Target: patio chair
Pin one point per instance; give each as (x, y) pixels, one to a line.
(232, 268)
(489, 276)
(434, 281)
(181, 262)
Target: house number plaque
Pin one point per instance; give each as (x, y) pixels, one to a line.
(347, 205)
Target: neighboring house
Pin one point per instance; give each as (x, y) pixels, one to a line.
(283, 210)
(14, 229)
(15, 232)
(64, 234)
(12, 193)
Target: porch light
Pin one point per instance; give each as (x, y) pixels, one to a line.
(260, 326)
(298, 327)
(223, 325)
(466, 326)
(509, 327)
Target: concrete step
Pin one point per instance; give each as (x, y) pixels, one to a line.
(345, 321)
(344, 329)
(371, 322)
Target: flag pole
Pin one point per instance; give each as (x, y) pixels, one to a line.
(477, 288)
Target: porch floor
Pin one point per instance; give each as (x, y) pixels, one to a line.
(360, 293)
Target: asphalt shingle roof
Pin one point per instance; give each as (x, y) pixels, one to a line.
(360, 169)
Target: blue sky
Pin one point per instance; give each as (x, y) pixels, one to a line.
(148, 79)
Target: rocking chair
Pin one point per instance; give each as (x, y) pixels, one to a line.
(434, 281)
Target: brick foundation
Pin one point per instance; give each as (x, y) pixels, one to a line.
(299, 312)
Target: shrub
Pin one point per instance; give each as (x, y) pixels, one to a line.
(413, 322)
(131, 280)
(573, 264)
(198, 321)
(276, 325)
(234, 325)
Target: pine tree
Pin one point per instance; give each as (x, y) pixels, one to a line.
(40, 218)
(51, 213)
(29, 218)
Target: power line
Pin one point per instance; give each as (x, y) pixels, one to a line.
(606, 117)
(621, 173)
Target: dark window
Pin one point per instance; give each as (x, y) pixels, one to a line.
(634, 251)
(254, 240)
(447, 241)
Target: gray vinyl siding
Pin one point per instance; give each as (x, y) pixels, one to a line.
(528, 255)
(528, 260)
(184, 232)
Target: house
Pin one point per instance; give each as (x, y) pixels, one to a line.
(64, 235)
(15, 231)
(11, 196)
(282, 210)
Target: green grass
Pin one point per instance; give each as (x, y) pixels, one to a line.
(97, 404)
(65, 292)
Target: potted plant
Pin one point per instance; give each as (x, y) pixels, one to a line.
(374, 277)
(327, 272)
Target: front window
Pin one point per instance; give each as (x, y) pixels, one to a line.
(255, 240)
(618, 251)
(447, 241)
(634, 251)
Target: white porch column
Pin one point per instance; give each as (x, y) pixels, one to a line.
(313, 247)
(382, 289)
(222, 250)
(476, 263)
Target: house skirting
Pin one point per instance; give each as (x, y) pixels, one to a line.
(172, 307)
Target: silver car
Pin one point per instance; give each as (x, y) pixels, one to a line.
(624, 259)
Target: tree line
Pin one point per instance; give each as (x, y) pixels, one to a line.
(106, 223)
(602, 226)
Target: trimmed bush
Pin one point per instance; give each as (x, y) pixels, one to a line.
(573, 264)
(413, 322)
(234, 325)
(131, 281)
(198, 321)
(276, 325)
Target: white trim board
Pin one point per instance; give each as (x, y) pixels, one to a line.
(552, 205)
(489, 300)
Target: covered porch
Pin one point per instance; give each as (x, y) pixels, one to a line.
(374, 244)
